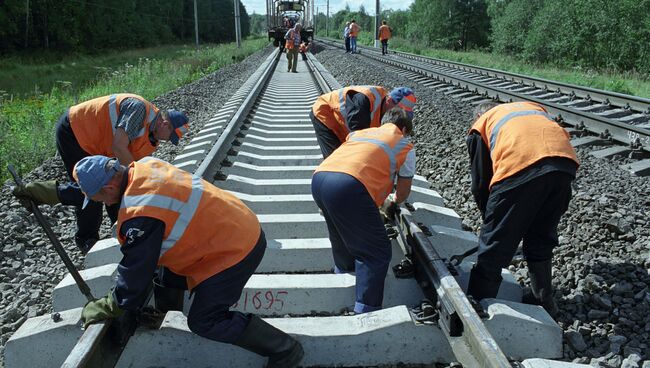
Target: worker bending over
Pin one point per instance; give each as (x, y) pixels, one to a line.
(522, 166)
(197, 232)
(337, 113)
(349, 187)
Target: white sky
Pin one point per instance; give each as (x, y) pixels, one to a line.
(259, 6)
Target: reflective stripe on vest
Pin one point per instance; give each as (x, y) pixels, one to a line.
(112, 111)
(495, 131)
(185, 210)
(375, 107)
(390, 152)
(113, 114)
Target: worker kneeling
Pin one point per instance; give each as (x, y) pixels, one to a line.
(176, 220)
(349, 187)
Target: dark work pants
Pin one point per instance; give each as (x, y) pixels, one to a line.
(357, 233)
(530, 211)
(327, 140)
(347, 44)
(89, 219)
(210, 314)
(384, 47)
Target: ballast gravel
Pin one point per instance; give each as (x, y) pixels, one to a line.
(602, 266)
(29, 266)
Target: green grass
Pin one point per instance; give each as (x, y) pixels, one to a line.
(628, 83)
(27, 121)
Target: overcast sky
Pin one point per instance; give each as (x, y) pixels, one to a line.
(259, 6)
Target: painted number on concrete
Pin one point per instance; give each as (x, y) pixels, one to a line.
(634, 136)
(263, 299)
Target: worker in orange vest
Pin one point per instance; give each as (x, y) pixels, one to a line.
(200, 235)
(522, 165)
(335, 114)
(354, 33)
(349, 187)
(385, 33)
(292, 45)
(122, 125)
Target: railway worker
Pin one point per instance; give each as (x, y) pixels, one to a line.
(385, 33)
(349, 187)
(122, 125)
(346, 37)
(522, 165)
(304, 47)
(200, 234)
(292, 45)
(337, 113)
(354, 33)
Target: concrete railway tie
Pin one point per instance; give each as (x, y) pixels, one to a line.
(269, 167)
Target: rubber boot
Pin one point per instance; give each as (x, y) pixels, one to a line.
(261, 338)
(167, 299)
(541, 286)
(480, 287)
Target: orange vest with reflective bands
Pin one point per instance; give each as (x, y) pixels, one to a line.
(330, 108)
(289, 44)
(207, 230)
(519, 134)
(93, 124)
(373, 156)
(384, 32)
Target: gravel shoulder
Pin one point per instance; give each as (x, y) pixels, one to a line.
(29, 266)
(602, 266)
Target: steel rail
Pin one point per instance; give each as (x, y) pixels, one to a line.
(606, 128)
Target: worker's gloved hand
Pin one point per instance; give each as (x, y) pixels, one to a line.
(389, 208)
(41, 192)
(100, 309)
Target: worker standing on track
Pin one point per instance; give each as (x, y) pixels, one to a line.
(122, 125)
(346, 37)
(349, 187)
(385, 33)
(337, 113)
(354, 33)
(292, 45)
(522, 166)
(200, 234)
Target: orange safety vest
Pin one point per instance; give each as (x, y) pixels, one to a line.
(384, 33)
(354, 29)
(93, 124)
(519, 134)
(290, 42)
(207, 230)
(373, 156)
(329, 109)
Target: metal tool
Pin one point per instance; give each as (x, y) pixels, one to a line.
(83, 287)
(457, 259)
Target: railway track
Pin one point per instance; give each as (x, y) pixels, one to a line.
(595, 117)
(261, 147)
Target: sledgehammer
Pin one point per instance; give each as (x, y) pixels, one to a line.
(83, 287)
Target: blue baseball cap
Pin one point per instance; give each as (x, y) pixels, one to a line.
(92, 173)
(179, 123)
(404, 98)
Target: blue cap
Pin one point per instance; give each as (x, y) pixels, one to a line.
(92, 173)
(179, 121)
(404, 98)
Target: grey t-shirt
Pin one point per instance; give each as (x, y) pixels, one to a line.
(131, 117)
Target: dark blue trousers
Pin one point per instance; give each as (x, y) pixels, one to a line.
(210, 314)
(357, 233)
(89, 219)
(528, 212)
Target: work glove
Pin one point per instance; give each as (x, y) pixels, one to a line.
(100, 309)
(389, 207)
(41, 192)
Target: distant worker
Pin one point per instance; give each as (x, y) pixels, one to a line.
(199, 234)
(304, 47)
(292, 45)
(349, 187)
(354, 33)
(522, 165)
(337, 113)
(385, 33)
(122, 125)
(346, 37)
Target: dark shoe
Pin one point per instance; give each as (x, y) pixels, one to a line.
(481, 287)
(85, 244)
(261, 338)
(541, 286)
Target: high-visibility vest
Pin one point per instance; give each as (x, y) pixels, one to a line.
(290, 42)
(329, 109)
(93, 124)
(354, 29)
(207, 230)
(373, 156)
(384, 32)
(519, 134)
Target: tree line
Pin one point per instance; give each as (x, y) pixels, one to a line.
(95, 25)
(602, 34)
